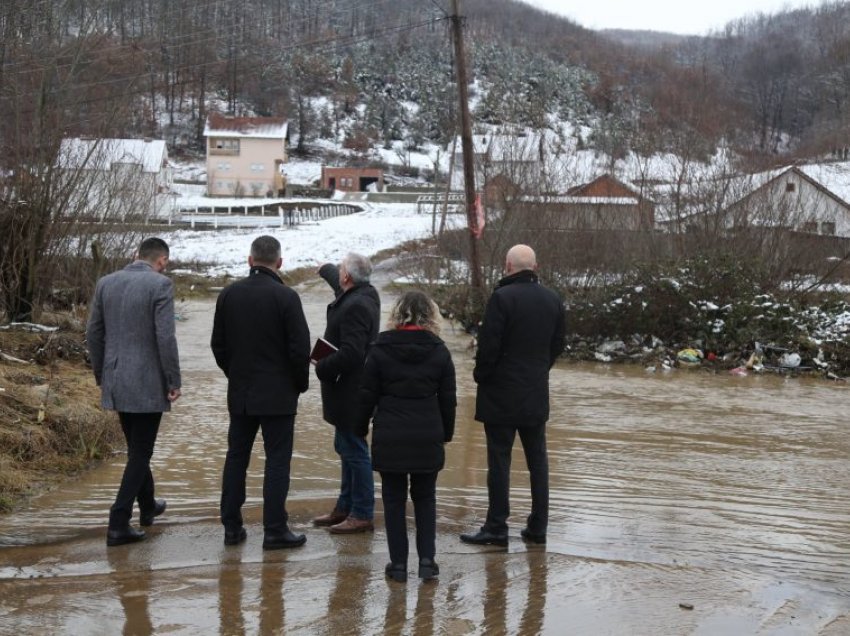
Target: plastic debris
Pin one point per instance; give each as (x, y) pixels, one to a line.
(689, 357)
(602, 357)
(738, 371)
(610, 346)
(789, 360)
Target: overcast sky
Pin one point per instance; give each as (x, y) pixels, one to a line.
(675, 16)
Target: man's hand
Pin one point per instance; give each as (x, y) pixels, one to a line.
(173, 394)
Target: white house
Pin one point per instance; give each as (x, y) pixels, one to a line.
(812, 199)
(118, 177)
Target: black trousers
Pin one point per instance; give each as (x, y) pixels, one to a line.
(140, 431)
(423, 492)
(278, 431)
(500, 442)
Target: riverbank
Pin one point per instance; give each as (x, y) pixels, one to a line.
(51, 424)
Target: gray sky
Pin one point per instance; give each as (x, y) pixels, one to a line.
(675, 16)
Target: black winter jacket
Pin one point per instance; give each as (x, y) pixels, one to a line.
(409, 384)
(353, 322)
(261, 341)
(520, 338)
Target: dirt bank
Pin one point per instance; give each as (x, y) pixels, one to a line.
(50, 421)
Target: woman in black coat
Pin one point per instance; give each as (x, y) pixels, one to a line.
(408, 389)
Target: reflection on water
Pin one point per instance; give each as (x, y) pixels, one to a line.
(653, 478)
(133, 587)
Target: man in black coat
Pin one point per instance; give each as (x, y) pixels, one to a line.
(520, 338)
(353, 323)
(261, 341)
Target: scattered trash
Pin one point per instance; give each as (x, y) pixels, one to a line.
(738, 371)
(789, 360)
(602, 357)
(611, 346)
(689, 357)
(711, 357)
(754, 362)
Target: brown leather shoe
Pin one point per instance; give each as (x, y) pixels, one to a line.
(331, 519)
(352, 525)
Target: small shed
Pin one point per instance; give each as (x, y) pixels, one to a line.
(352, 179)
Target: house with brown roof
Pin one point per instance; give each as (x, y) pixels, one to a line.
(604, 204)
(245, 156)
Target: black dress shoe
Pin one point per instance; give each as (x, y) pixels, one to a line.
(530, 537)
(146, 517)
(124, 535)
(428, 569)
(235, 537)
(286, 540)
(397, 572)
(485, 537)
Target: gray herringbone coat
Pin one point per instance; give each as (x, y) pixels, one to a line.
(131, 340)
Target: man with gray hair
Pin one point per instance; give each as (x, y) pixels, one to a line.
(521, 336)
(353, 323)
(261, 341)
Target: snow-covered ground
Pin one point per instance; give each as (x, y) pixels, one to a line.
(379, 227)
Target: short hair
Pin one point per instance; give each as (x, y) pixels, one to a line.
(522, 257)
(152, 248)
(265, 249)
(415, 308)
(358, 267)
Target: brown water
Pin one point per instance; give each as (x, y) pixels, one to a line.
(728, 494)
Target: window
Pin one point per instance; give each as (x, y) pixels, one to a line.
(224, 167)
(257, 167)
(827, 227)
(810, 226)
(790, 187)
(224, 146)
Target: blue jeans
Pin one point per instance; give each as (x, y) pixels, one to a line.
(357, 484)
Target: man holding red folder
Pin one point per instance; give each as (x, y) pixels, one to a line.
(353, 322)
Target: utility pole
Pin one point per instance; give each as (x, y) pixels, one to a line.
(466, 147)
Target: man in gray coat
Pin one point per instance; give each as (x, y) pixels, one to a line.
(134, 357)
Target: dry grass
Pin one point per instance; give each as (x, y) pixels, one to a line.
(51, 424)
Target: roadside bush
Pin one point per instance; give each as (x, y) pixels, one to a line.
(720, 304)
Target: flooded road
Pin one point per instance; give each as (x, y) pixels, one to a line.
(727, 495)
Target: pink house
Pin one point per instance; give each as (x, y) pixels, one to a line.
(245, 156)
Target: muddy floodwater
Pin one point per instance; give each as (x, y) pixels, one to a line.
(682, 503)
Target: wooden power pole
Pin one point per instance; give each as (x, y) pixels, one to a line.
(466, 147)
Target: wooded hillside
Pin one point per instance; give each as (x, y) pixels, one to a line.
(373, 71)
